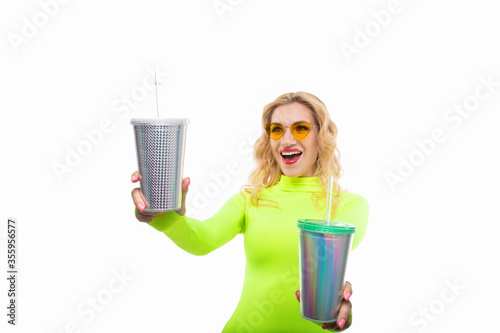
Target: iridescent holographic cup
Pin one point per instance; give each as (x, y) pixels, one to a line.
(323, 252)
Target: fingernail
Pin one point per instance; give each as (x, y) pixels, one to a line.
(189, 180)
(140, 206)
(347, 296)
(297, 293)
(134, 178)
(341, 323)
(325, 326)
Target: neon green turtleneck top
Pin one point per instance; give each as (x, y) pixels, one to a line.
(268, 302)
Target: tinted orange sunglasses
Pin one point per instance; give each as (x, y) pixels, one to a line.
(299, 130)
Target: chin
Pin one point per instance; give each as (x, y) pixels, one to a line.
(292, 174)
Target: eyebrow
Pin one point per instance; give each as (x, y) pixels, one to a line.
(298, 121)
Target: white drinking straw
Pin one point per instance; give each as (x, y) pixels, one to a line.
(329, 200)
(156, 91)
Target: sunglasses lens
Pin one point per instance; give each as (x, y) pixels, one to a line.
(300, 130)
(275, 131)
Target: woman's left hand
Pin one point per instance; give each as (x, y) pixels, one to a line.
(344, 318)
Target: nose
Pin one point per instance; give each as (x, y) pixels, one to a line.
(288, 139)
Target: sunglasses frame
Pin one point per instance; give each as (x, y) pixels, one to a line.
(285, 127)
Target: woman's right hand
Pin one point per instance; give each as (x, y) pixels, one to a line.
(141, 203)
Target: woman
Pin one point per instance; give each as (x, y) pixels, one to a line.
(295, 155)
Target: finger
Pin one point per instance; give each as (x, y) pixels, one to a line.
(150, 213)
(143, 218)
(297, 294)
(343, 319)
(146, 202)
(146, 216)
(185, 188)
(138, 198)
(136, 177)
(347, 291)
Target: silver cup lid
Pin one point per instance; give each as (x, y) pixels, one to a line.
(159, 121)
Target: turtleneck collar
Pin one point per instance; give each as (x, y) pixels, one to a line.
(298, 184)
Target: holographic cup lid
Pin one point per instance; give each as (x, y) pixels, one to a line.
(321, 226)
(159, 121)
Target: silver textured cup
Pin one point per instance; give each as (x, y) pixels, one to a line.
(160, 145)
(323, 253)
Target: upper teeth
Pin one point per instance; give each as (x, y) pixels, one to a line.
(290, 152)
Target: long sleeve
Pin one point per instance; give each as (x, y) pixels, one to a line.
(268, 302)
(353, 209)
(202, 237)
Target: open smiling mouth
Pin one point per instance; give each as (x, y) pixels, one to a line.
(290, 157)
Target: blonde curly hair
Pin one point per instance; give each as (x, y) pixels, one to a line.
(267, 171)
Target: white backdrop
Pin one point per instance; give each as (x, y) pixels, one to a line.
(413, 86)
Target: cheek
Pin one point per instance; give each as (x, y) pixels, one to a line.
(274, 145)
(312, 146)
(274, 148)
(313, 150)
(316, 148)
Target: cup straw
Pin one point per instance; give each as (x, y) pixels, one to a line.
(329, 200)
(156, 93)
